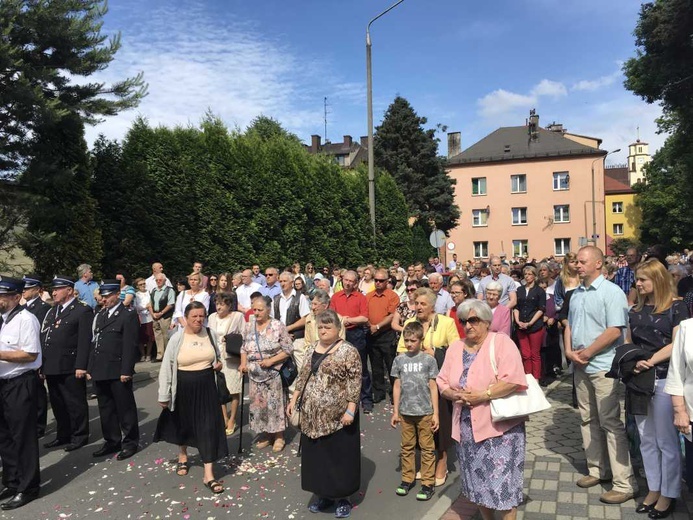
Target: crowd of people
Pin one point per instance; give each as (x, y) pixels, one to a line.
(439, 343)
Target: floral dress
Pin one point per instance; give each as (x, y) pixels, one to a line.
(267, 396)
(491, 471)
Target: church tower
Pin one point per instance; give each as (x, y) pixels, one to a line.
(638, 157)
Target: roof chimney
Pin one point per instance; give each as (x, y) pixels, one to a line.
(454, 144)
(314, 143)
(364, 141)
(347, 141)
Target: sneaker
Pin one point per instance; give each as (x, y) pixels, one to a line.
(404, 488)
(343, 509)
(320, 505)
(426, 493)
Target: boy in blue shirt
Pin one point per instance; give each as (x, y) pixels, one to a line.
(415, 397)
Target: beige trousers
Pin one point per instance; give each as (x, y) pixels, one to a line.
(161, 335)
(299, 354)
(603, 433)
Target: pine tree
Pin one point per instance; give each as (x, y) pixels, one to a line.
(44, 47)
(409, 153)
(61, 232)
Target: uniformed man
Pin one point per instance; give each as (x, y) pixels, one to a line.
(36, 306)
(66, 342)
(20, 358)
(111, 367)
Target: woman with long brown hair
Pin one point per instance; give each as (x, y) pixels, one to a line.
(653, 323)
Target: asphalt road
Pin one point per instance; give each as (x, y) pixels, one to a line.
(259, 484)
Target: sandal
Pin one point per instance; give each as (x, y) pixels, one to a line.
(278, 445)
(230, 431)
(182, 468)
(262, 444)
(214, 486)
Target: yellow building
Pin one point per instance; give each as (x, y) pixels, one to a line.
(622, 216)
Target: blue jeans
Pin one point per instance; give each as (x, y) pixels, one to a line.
(357, 337)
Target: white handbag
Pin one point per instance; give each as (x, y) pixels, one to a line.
(520, 403)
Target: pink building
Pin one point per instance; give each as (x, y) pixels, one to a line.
(527, 191)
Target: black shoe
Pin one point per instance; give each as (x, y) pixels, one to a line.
(72, 447)
(126, 454)
(7, 493)
(106, 449)
(378, 399)
(644, 508)
(656, 513)
(55, 443)
(91, 396)
(368, 411)
(19, 500)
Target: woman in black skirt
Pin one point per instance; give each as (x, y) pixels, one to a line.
(188, 393)
(327, 393)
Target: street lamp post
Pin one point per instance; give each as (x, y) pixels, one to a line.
(369, 88)
(594, 203)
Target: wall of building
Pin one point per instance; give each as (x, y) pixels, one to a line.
(629, 218)
(539, 199)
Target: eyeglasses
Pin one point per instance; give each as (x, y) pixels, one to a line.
(473, 321)
(412, 289)
(212, 279)
(456, 293)
(380, 280)
(270, 274)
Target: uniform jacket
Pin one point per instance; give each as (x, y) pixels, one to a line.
(115, 350)
(38, 308)
(66, 338)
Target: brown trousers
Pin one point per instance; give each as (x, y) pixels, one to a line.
(411, 427)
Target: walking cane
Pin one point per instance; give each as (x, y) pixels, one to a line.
(240, 428)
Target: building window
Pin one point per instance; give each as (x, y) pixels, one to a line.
(561, 214)
(519, 216)
(618, 229)
(479, 186)
(561, 181)
(518, 183)
(561, 246)
(479, 217)
(617, 207)
(480, 249)
(639, 149)
(520, 248)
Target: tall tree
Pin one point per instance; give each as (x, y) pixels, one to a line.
(47, 49)
(409, 152)
(662, 72)
(61, 232)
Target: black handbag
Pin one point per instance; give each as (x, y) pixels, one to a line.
(222, 390)
(234, 342)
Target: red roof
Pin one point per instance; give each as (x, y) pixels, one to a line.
(616, 181)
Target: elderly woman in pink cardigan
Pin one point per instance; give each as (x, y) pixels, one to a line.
(491, 454)
(501, 314)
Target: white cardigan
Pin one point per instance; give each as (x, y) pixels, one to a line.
(680, 375)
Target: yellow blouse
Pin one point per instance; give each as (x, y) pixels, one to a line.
(440, 334)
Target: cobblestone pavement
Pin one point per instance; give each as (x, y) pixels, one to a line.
(555, 460)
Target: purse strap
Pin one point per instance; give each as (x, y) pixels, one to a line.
(492, 355)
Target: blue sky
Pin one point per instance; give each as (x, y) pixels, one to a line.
(473, 66)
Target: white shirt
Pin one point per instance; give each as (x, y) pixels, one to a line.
(142, 301)
(452, 265)
(65, 306)
(243, 293)
(679, 379)
(285, 301)
(184, 299)
(21, 333)
(150, 283)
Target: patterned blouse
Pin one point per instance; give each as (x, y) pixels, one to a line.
(329, 391)
(273, 339)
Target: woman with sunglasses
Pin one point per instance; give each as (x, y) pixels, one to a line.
(406, 309)
(491, 454)
(439, 332)
(460, 291)
(212, 289)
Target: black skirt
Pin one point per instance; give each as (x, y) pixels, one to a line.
(443, 437)
(197, 419)
(331, 465)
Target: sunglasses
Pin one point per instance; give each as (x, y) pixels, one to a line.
(212, 279)
(380, 280)
(473, 321)
(411, 290)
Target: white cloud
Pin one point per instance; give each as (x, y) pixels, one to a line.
(193, 63)
(596, 84)
(501, 102)
(549, 88)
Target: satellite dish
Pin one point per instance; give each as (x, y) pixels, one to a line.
(437, 239)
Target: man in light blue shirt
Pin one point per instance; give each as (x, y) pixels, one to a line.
(86, 285)
(271, 287)
(443, 299)
(598, 318)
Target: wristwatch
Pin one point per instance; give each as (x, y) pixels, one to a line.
(488, 393)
